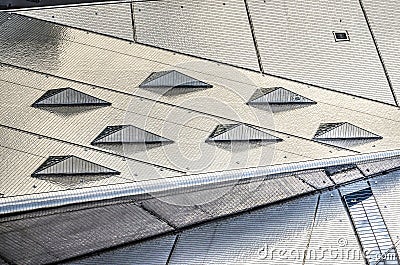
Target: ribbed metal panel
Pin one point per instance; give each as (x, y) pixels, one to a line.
(154, 252)
(370, 226)
(386, 190)
(241, 240)
(295, 41)
(278, 95)
(338, 131)
(385, 26)
(245, 196)
(353, 187)
(112, 19)
(154, 117)
(55, 237)
(348, 175)
(315, 178)
(339, 168)
(71, 166)
(212, 29)
(374, 167)
(171, 79)
(240, 132)
(128, 134)
(23, 153)
(176, 210)
(96, 193)
(68, 97)
(332, 239)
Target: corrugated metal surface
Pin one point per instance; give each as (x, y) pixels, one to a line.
(375, 167)
(315, 178)
(176, 210)
(172, 79)
(56, 237)
(71, 166)
(241, 240)
(68, 97)
(256, 193)
(188, 129)
(353, 187)
(114, 19)
(240, 132)
(118, 68)
(295, 41)
(217, 30)
(127, 134)
(154, 252)
(386, 190)
(332, 239)
(343, 131)
(278, 95)
(385, 26)
(23, 153)
(348, 175)
(370, 226)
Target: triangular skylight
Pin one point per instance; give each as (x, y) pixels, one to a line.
(66, 97)
(343, 131)
(278, 95)
(240, 132)
(127, 134)
(71, 166)
(172, 79)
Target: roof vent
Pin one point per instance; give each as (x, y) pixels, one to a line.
(343, 131)
(341, 36)
(127, 134)
(71, 166)
(240, 132)
(172, 79)
(278, 95)
(68, 97)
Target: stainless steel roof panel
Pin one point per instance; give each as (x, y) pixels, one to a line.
(214, 30)
(166, 121)
(374, 167)
(315, 178)
(384, 24)
(56, 237)
(98, 193)
(114, 19)
(176, 210)
(353, 187)
(155, 252)
(332, 231)
(369, 224)
(23, 153)
(245, 196)
(386, 188)
(241, 239)
(295, 41)
(123, 60)
(346, 176)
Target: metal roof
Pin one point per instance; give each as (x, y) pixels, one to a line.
(193, 200)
